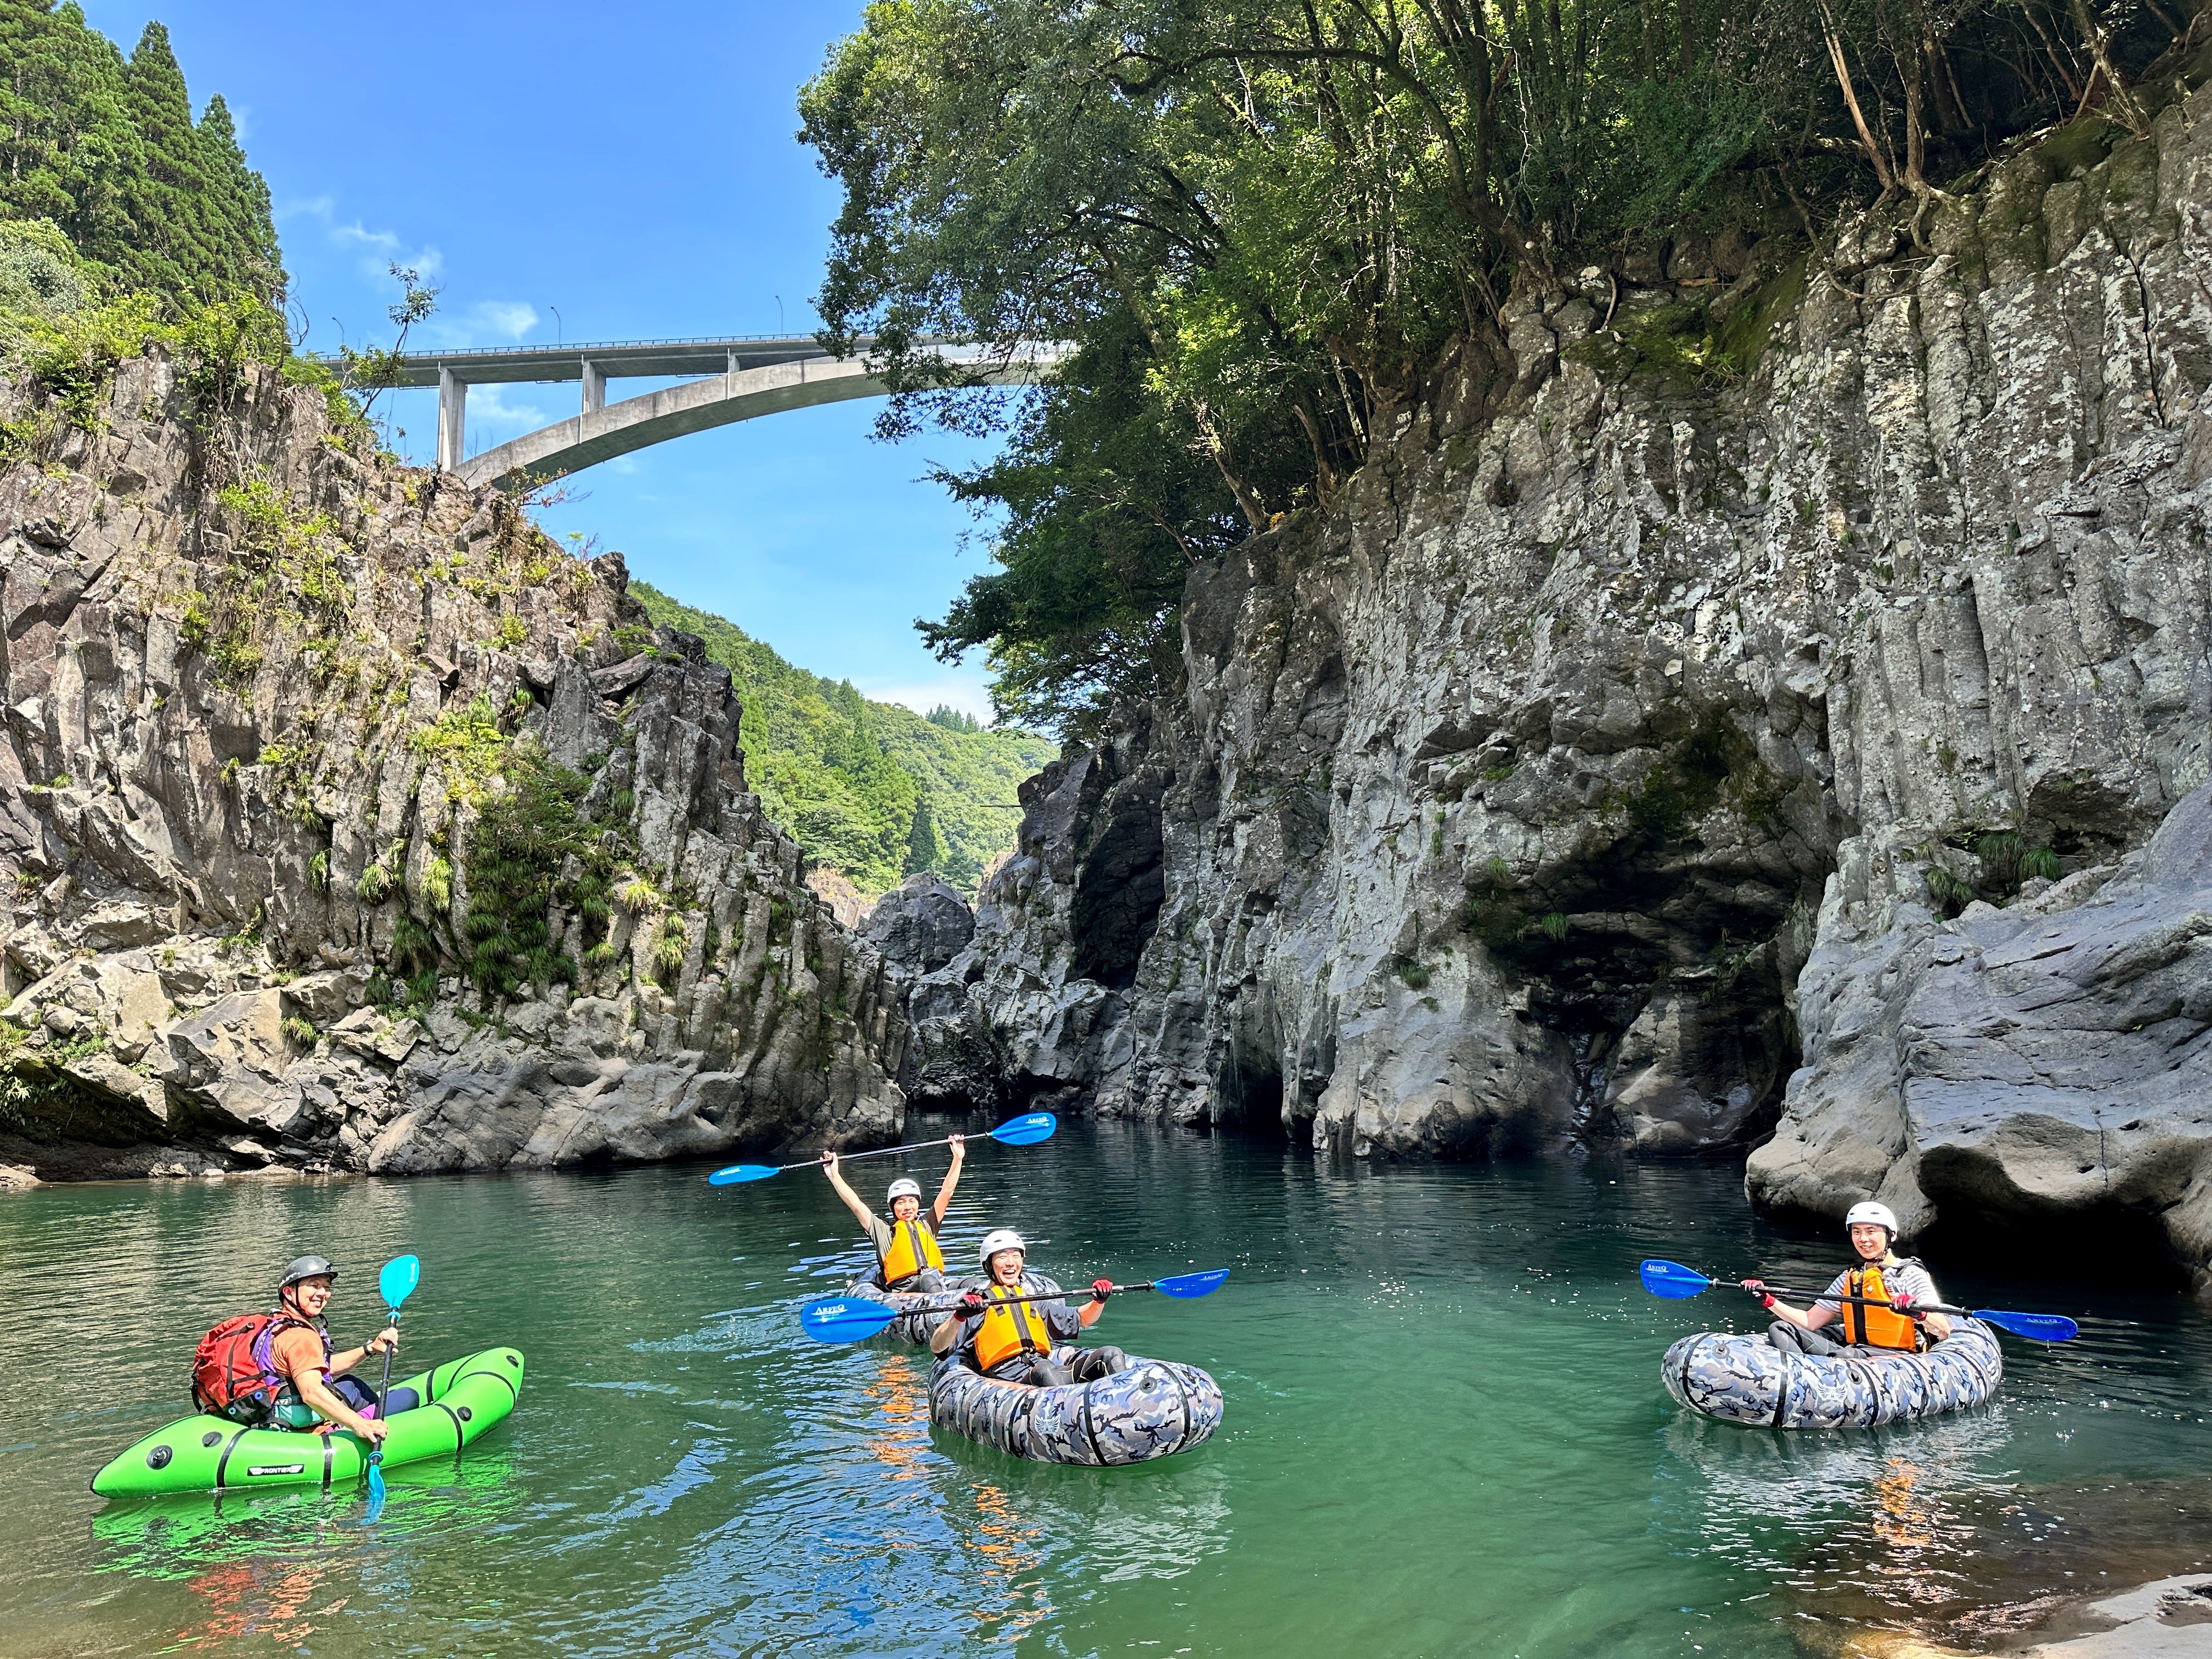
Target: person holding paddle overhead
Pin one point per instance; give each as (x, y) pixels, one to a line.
(1878, 1300)
(998, 1332)
(907, 1256)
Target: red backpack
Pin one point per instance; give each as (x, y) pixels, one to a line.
(232, 1376)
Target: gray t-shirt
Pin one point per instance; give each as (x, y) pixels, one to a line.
(1905, 1279)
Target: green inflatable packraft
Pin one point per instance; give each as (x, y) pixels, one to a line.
(461, 1399)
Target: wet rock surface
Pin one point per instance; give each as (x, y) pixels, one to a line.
(1504, 802)
(260, 687)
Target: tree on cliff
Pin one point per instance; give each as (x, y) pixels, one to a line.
(107, 149)
(924, 843)
(1263, 224)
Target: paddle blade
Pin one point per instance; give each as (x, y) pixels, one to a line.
(2037, 1328)
(375, 1493)
(738, 1172)
(1192, 1285)
(1672, 1280)
(399, 1279)
(844, 1318)
(1025, 1131)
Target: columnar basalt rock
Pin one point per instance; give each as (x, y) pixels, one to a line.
(261, 687)
(1617, 741)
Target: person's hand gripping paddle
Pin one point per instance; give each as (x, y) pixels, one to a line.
(395, 1283)
(1023, 1131)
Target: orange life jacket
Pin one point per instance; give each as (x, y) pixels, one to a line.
(1009, 1327)
(913, 1247)
(1876, 1327)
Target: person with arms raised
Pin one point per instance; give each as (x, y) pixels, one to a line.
(906, 1254)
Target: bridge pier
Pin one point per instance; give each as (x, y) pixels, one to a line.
(595, 387)
(452, 415)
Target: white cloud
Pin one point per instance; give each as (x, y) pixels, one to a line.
(378, 248)
(965, 692)
(488, 322)
(490, 411)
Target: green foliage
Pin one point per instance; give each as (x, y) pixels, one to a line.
(299, 1030)
(107, 150)
(953, 720)
(533, 849)
(39, 272)
(1553, 924)
(468, 742)
(1413, 974)
(924, 843)
(844, 775)
(1262, 223)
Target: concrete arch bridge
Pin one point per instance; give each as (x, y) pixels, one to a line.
(739, 378)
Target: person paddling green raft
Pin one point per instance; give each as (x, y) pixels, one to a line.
(906, 1256)
(998, 1332)
(279, 1370)
(1876, 1300)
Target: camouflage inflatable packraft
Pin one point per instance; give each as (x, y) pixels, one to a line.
(1746, 1379)
(1153, 1409)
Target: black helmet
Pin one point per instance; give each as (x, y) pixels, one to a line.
(307, 1266)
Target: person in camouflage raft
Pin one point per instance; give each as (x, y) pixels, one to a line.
(1873, 1300)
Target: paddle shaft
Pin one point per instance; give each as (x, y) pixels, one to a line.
(1034, 1295)
(383, 1388)
(880, 1151)
(1867, 1301)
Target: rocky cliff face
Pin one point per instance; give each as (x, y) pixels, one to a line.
(1768, 651)
(347, 822)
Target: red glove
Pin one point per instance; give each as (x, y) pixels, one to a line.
(1101, 1289)
(972, 1302)
(1758, 1288)
(1903, 1303)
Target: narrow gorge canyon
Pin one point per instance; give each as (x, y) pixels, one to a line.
(1758, 707)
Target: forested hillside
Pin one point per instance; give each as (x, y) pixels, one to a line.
(106, 150)
(870, 788)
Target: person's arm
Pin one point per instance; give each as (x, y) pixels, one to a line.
(1089, 1312)
(347, 1358)
(316, 1392)
(1807, 1319)
(951, 1180)
(853, 1202)
(1938, 1326)
(953, 1328)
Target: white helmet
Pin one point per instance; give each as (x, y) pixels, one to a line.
(1005, 1239)
(903, 1188)
(1879, 1215)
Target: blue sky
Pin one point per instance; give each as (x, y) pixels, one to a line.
(603, 172)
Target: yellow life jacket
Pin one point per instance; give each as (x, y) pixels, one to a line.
(1876, 1327)
(913, 1247)
(1009, 1327)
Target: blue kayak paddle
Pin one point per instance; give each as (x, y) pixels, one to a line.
(854, 1318)
(1675, 1282)
(1024, 1131)
(395, 1283)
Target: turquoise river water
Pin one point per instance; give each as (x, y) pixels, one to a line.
(1445, 1430)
